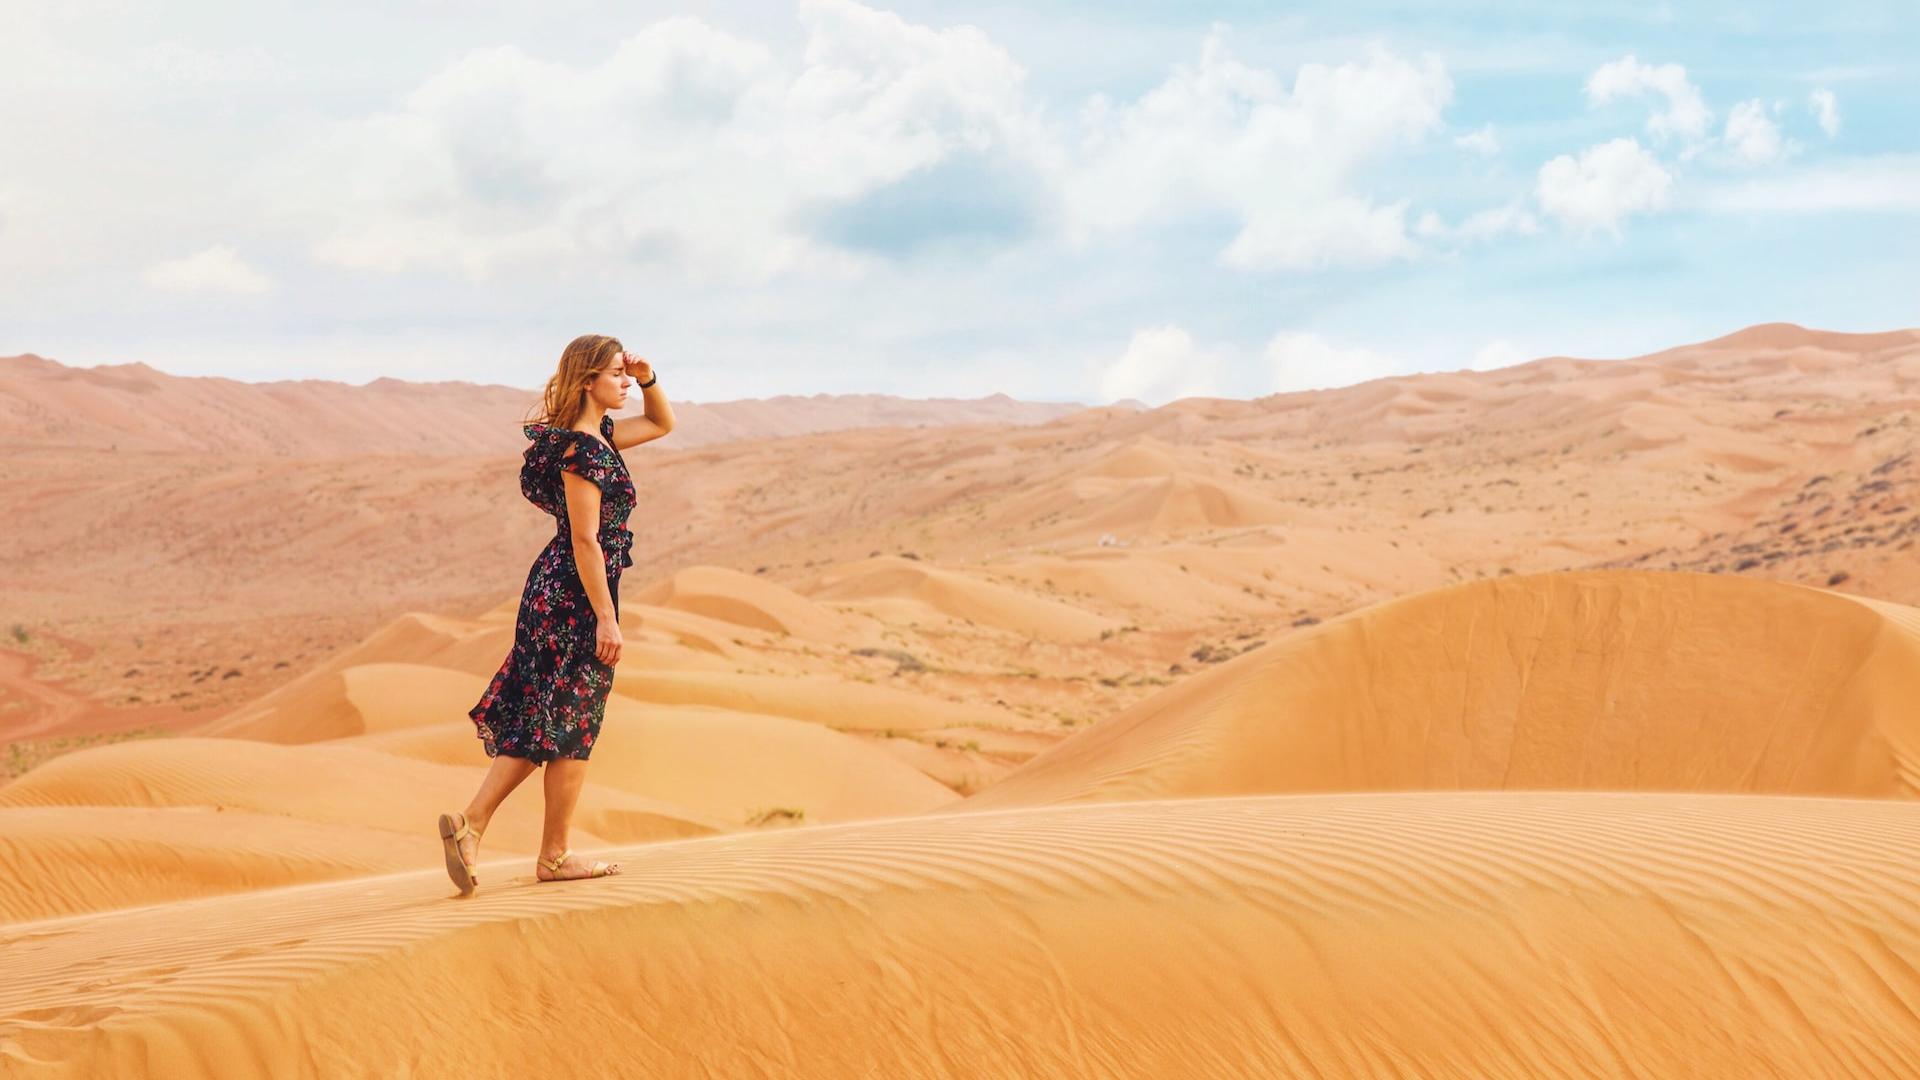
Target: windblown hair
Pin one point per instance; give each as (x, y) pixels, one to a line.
(565, 397)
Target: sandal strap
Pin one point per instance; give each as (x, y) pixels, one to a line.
(466, 827)
(553, 865)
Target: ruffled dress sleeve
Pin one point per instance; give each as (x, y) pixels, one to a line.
(587, 458)
(551, 450)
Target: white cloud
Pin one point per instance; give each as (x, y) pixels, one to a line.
(1499, 353)
(1686, 114)
(1160, 364)
(1826, 109)
(1283, 161)
(1604, 185)
(684, 143)
(218, 269)
(12, 200)
(1889, 184)
(1306, 361)
(183, 63)
(720, 154)
(1752, 135)
(1483, 142)
(1481, 225)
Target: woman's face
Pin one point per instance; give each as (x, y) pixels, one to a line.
(609, 387)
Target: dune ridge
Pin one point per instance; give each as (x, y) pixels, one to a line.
(137, 406)
(1596, 680)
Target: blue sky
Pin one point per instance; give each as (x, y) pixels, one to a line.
(1061, 202)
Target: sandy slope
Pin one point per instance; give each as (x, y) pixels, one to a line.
(62, 860)
(353, 701)
(834, 703)
(1608, 680)
(907, 583)
(744, 600)
(734, 766)
(330, 783)
(1483, 935)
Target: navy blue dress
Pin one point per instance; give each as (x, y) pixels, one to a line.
(550, 695)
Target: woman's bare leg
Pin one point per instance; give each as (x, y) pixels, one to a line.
(502, 777)
(565, 777)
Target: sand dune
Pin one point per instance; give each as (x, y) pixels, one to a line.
(64, 860)
(1284, 653)
(730, 596)
(474, 646)
(1609, 680)
(685, 630)
(723, 764)
(1137, 459)
(353, 701)
(328, 783)
(1118, 493)
(1439, 935)
(956, 595)
(835, 703)
(1128, 579)
(356, 693)
(1784, 336)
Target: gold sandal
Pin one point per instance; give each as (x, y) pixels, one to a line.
(458, 868)
(600, 869)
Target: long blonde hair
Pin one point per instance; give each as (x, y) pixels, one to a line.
(565, 396)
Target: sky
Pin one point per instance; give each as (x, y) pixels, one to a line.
(1056, 201)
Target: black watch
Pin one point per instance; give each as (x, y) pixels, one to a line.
(654, 378)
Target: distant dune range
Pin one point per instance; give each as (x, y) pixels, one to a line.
(1558, 721)
(135, 407)
(241, 534)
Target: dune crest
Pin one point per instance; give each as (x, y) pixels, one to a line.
(730, 596)
(354, 700)
(1609, 680)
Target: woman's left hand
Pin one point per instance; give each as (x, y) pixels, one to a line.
(636, 367)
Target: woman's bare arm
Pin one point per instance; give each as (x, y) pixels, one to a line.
(634, 430)
(583, 518)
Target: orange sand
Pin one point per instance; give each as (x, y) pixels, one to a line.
(1466, 934)
(1354, 733)
(1606, 680)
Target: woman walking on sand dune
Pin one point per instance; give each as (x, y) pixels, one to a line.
(545, 704)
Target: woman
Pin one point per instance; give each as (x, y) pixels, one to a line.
(545, 704)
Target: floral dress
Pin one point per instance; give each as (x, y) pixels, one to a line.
(548, 698)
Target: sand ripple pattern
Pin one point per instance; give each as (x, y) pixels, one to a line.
(1462, 934)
